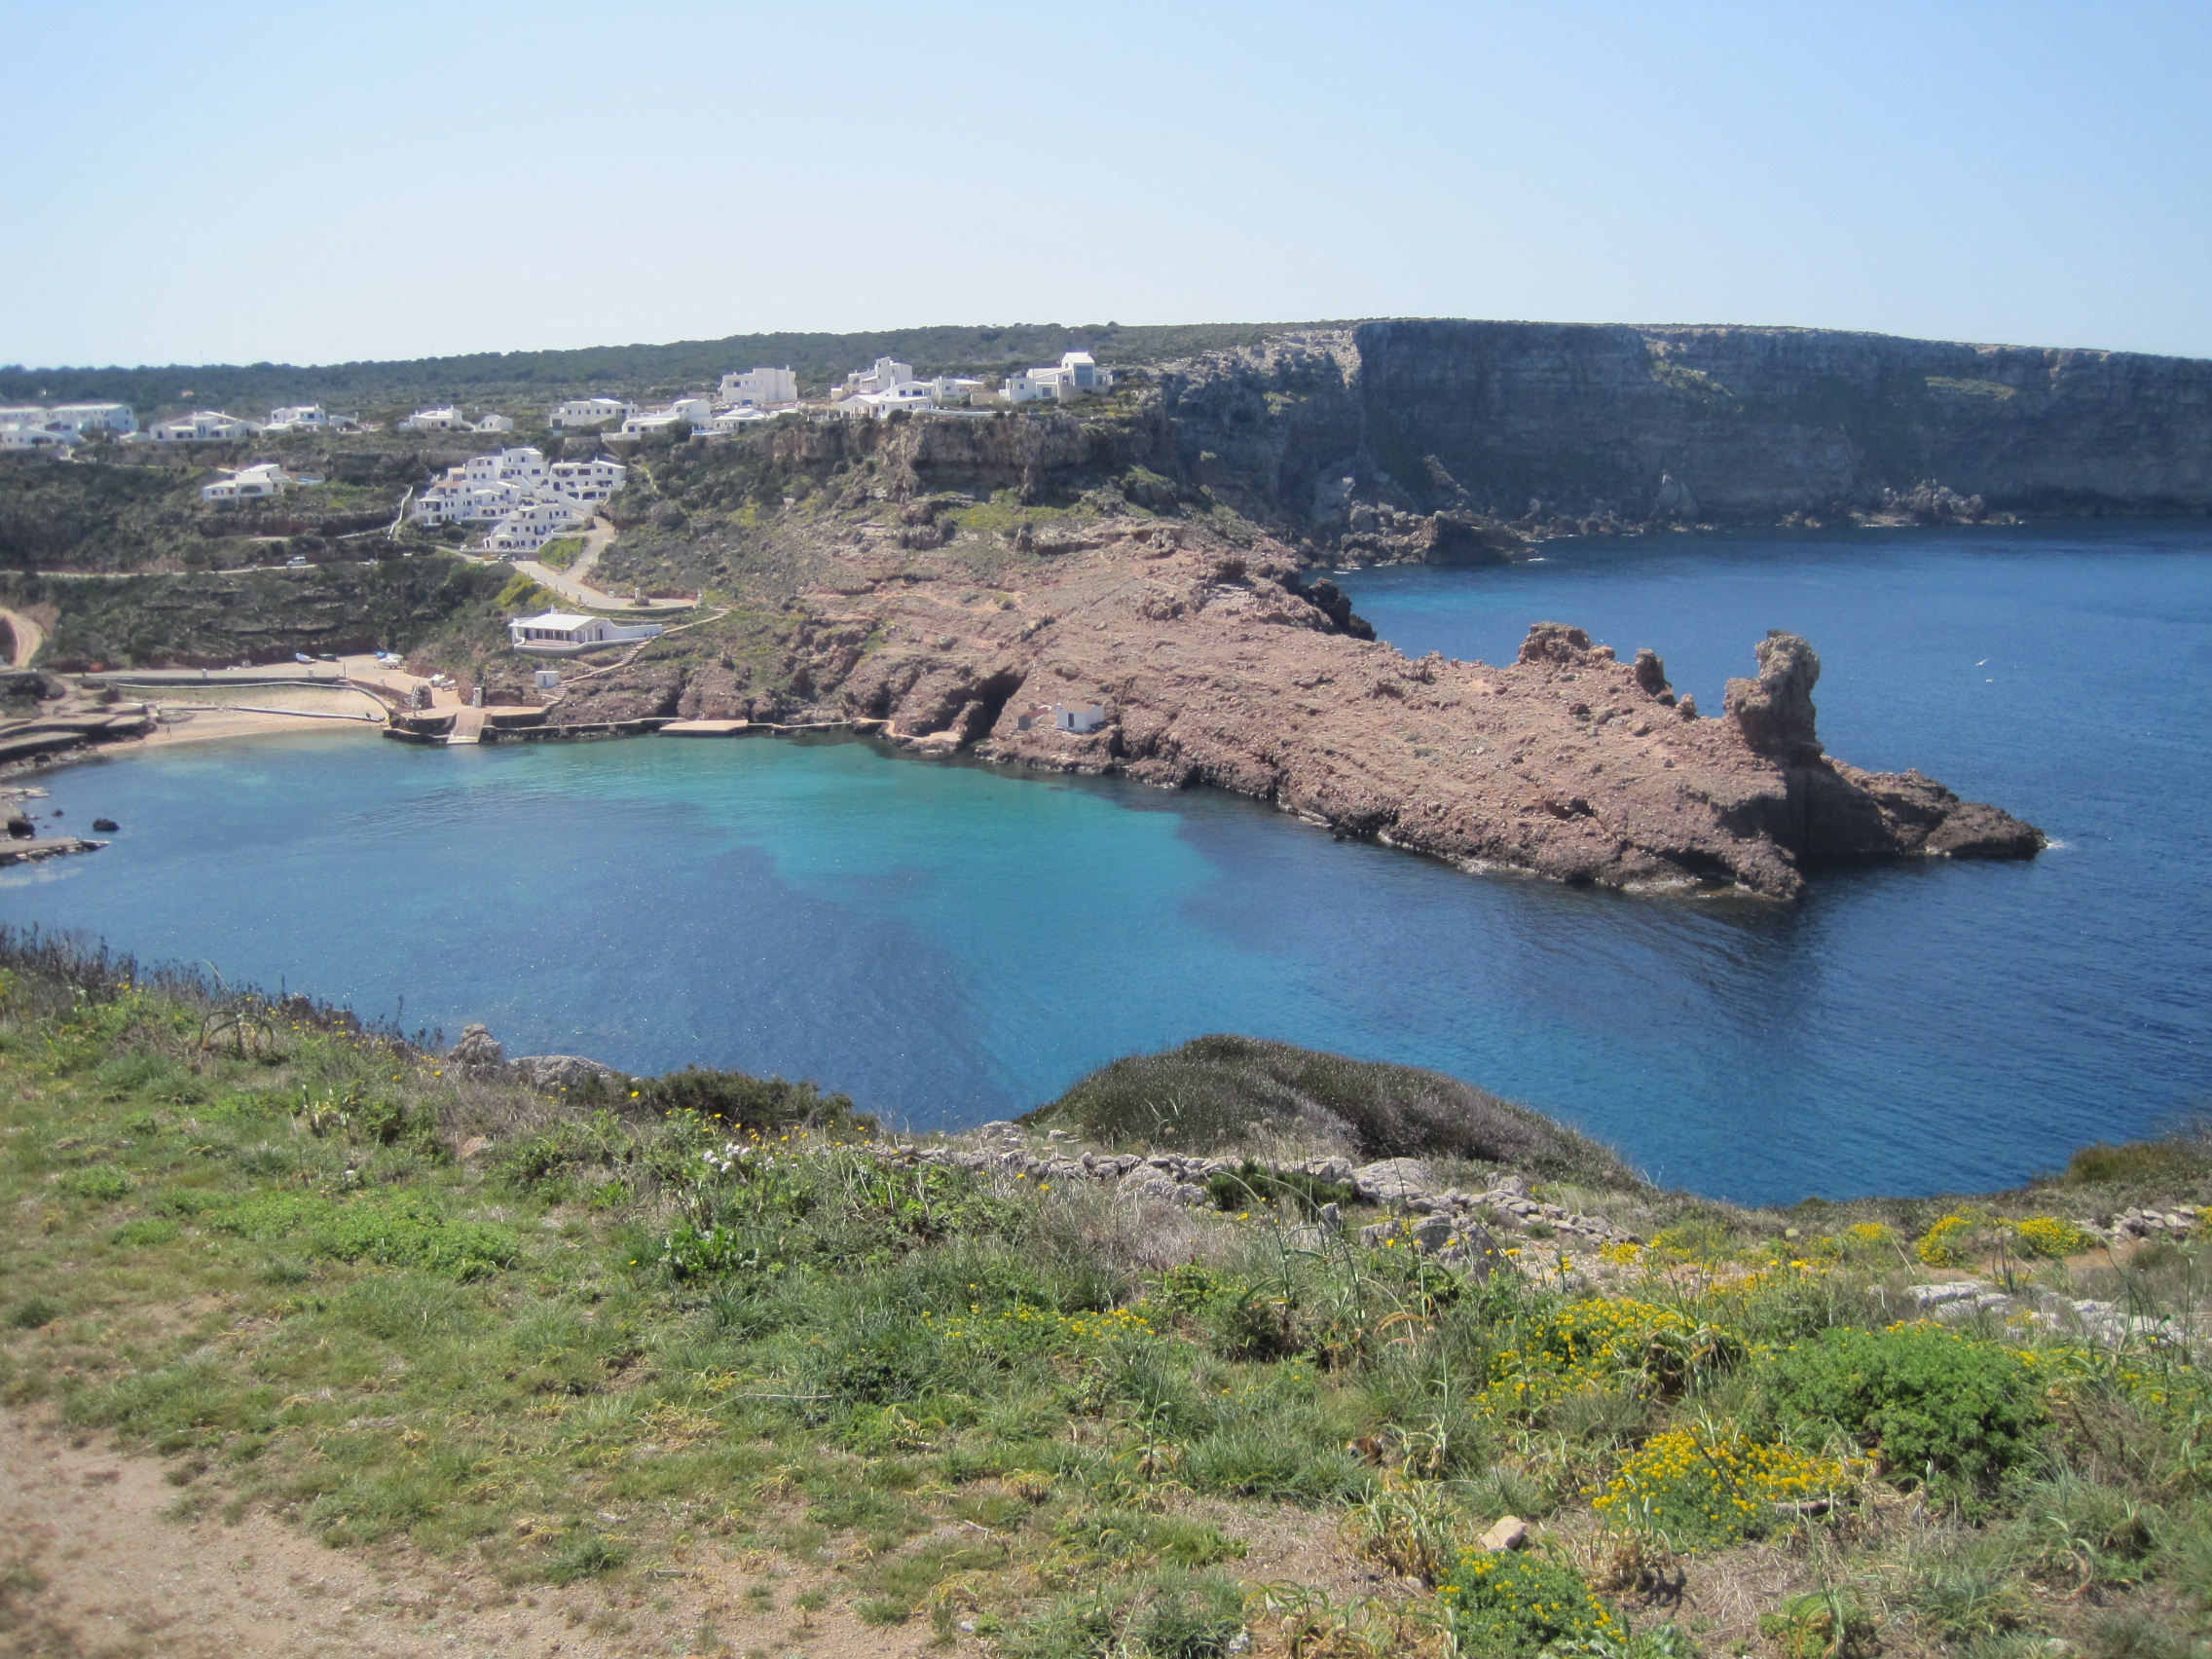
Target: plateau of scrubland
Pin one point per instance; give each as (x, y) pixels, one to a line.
(385, 1345)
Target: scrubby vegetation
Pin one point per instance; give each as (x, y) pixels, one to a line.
(1207, 1093)
(525, 382)
(262, 615)
(597, 1343)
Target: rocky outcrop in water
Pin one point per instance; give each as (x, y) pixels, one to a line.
(1211, 663)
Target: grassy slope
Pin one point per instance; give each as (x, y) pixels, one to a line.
(241, 1236)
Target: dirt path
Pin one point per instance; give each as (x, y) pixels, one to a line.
(115, 1555)
(98, 1563)
(27, 636)
(571, 584)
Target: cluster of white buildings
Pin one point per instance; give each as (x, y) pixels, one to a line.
(887, 384)
(448, 419)
(63, 426)
(521, 499)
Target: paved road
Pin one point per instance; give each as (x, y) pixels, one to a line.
(27, 636)
(569, 584)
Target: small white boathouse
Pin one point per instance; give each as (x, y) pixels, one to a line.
(562, 633)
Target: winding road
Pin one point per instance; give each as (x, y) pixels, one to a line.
(24, 637)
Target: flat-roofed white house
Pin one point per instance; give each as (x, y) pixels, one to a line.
(564, 633)
(524, 464)
(531, 525)
(761, 388)
(881, 377)
(204, 426)
(1076, 375)
(1085, 718)
(587, 480)
(74, 418)
(248, 484)
(298, 418)
(589, 412)
(697, 412)
(442, 419)
(24, 435)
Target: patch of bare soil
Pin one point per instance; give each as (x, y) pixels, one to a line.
(98, 1559)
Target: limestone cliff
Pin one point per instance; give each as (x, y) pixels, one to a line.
(1332, 435)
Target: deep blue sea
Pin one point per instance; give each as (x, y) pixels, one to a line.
(949, 944)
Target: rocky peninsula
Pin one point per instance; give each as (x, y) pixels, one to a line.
(1215, 658)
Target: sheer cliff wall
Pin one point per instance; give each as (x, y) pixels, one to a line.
(1633, 426)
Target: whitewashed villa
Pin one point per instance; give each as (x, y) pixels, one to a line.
(583, 412)
(204, 426)
(564, 633)
(249, 483)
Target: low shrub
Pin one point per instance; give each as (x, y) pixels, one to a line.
(2182, 1157)
(1703, 1491)
(99, 1183)
(1933, 1406)
(2047, 1236)
(1215, 1091)
(1950, 1242)
(1506, 1605)
(743, 1101)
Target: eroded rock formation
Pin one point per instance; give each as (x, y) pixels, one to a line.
(1221, 664)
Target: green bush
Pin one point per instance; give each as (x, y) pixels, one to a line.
(745, 1102)
(1933, 1406)
(1508, 1606)
(99, 1183)
(1213, 1090)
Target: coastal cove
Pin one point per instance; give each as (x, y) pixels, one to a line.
(950, 943)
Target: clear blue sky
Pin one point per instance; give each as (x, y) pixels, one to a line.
(312, 182)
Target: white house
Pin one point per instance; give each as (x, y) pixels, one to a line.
(587, 480)
(496, 423)
(1083, 719)
(764, 388)
(1076, 376)
(298, 418)
(887, 372)
(531, 525)
(697, 410)
(442, 419)
(525, 465)
(249, 483)
(564, 633)
(24, 435)
(75, 419)
(204, 426)
(743, 415)
(589, 412)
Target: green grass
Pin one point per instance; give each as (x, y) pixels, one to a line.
(630, 1336)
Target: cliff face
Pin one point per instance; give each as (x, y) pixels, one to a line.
(1626, 426)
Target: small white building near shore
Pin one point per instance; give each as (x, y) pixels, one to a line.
(564, 633)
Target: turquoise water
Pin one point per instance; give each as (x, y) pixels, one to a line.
(950, 943)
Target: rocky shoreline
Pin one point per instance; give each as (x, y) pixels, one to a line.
(1220, 664)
